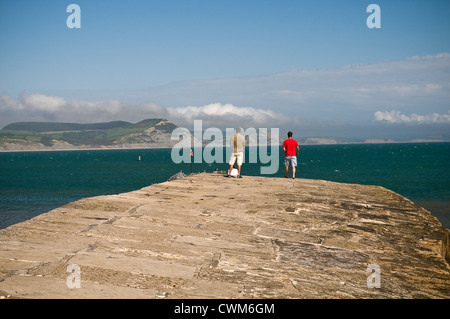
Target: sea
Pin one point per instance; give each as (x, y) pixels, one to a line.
(32, 183)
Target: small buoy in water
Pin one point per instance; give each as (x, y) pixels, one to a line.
(139, 158)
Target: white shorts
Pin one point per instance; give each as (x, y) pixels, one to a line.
(237, 156)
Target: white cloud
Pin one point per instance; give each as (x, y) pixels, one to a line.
(41, 107)
(7, 103)
(397, 117)
(43, 102)
(154, 109)
(226, 115)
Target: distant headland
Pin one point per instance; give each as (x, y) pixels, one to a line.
(154, 133)
(149, 133)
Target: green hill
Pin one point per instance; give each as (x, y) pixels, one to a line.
(57, 135)
(41, 127)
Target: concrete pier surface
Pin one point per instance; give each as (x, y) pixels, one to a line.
(207, 236)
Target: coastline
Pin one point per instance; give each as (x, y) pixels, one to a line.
(369, 142)
(203, 236)
(84, 149)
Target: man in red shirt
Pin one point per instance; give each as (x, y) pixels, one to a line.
(291, 149)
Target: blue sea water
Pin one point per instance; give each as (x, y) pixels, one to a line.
(32, 183)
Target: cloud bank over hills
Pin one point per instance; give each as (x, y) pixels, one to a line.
(413, 92)
(40, 107)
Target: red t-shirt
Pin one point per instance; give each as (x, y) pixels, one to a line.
(291, 147)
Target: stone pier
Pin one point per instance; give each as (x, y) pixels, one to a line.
(207, 236)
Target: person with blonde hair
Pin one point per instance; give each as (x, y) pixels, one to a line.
(237, 143)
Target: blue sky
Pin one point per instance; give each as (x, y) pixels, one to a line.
(132, 53)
